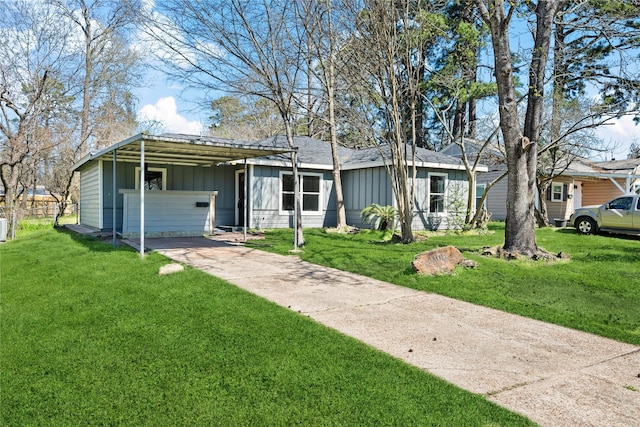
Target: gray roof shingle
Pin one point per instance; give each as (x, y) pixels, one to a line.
(313, 151)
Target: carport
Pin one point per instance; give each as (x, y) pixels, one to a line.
(185, 150)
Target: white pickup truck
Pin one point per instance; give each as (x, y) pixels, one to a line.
(620, 215)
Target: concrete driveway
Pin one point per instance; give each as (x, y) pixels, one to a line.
(553, 375)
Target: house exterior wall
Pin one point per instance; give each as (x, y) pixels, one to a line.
(455, 200)
(593, 191)
(560, 209)
(90, 195)
(179, 178)
(599, 191)
(171, 213)
(496, 201)
(363, 187)
(265, 193)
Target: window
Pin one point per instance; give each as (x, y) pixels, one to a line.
(310, 185)
(557, 192)
(437, 185)
(621, 203)
(154, 178)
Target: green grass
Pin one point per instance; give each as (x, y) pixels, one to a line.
(598, 291)
(94, 336)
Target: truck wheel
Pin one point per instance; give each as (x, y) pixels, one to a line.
(586, 225)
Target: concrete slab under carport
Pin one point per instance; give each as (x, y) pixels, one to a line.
(554, 375)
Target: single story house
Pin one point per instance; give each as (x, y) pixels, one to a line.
(175, 184)
(582, 183)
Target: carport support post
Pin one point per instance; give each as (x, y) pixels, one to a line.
(296, 189)
(113, 198)
(244, 202)
(142, 197)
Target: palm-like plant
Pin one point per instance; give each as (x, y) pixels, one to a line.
(381, 217)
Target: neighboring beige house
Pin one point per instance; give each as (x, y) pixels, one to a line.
(583, 183)
(587, 183)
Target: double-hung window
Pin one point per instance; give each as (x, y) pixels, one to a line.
(557, 192)
(310, 189)
(437, 193)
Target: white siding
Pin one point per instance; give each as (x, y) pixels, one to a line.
(90, 196)
(167, 213)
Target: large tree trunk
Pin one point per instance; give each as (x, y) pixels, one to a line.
(521, 148)
(520, 225)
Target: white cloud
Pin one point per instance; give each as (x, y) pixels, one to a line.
(622, 132)
(165, 111)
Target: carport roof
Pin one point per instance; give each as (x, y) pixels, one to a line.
(188, 150)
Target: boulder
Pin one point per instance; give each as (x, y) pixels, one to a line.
(170, 269)
(437, 261)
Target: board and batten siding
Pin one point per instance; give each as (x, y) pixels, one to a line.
(456, 190)
(90, 195)
(216, 178)
(167, 213)
(496, 201)
(265, 195)
(179, 178)
(363, 187)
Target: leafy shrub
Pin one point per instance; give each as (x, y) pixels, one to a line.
(381, 217)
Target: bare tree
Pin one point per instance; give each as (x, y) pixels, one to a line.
(35, 85)
(237, 46)
(244, 118)
(106, 72)
(590, 40)
(634, 150)
(108, 63)
(323, 40)
(387, 94)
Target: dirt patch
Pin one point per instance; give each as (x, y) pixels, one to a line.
(541, 255)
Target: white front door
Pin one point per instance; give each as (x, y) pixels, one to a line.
(577, 194)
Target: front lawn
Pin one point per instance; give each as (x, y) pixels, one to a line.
(598, 291)
(94, 336)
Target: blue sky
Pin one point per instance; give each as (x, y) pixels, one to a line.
(177, 107)
(168, 103)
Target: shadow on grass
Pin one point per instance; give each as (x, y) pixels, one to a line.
(94, 243)
(603, 234)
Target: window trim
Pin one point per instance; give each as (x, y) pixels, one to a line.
(301, 176)
(553, 194)
(152, 169)
(444, 194)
